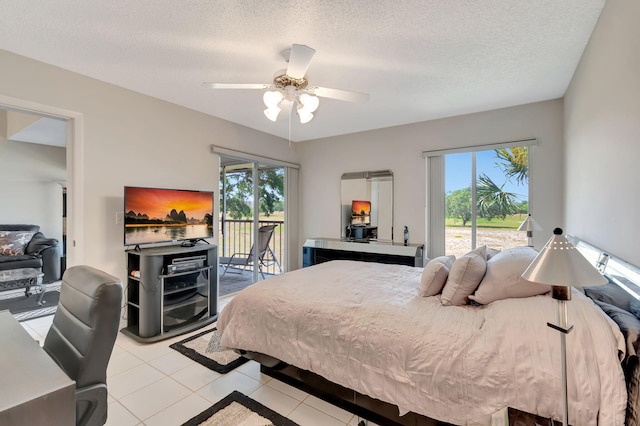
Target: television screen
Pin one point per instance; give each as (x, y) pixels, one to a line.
(155, 215)
(360, 212)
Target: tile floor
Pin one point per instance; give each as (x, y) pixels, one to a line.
(152, 384)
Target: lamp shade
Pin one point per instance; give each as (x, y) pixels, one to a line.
(272, 98)
(529, 225)
(559, 263)
(305, 116)
(272, 113)
(309, 103)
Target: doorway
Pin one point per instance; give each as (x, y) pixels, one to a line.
(252, 224)
(72, 226)
(33, 175)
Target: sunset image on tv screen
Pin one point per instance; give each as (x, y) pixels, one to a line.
(360, 213)
(155, 215)
(158, 204)
(361, 208)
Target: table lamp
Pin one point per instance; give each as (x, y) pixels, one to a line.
(560, 265)
(529, 225)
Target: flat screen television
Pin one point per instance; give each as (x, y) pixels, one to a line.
(157, 215)
(360, 212)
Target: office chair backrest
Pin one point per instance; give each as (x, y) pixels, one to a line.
(85, 327)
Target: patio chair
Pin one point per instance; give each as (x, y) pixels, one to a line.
(245, 261)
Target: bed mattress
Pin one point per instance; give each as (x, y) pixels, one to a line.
(364, 326)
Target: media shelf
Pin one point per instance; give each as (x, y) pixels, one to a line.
(171, 290)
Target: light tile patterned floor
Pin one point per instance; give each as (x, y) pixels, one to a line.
(153, 385)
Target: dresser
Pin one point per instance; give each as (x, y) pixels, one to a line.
(319, 250)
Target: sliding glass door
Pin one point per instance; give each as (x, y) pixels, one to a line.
(252, 222)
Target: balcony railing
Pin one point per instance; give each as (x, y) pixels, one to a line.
(237, 237)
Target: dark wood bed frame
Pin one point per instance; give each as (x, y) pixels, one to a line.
(374, 410)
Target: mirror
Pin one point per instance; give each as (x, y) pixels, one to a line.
(371, 195)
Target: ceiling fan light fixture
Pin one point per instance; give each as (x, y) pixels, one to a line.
(309, 103)
(272, 113)
(290, 88)
(290, 93)
(272, 98)
(304, 115)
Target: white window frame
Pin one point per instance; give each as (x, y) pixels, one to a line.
(435, 190)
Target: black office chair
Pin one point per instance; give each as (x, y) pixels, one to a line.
(82, 336)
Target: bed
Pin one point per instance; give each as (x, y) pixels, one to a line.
(366, 327)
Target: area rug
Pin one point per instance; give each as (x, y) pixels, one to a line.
(205, 349)
(238, 409)
(26, 308)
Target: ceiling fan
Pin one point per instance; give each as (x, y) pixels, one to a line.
(290, 88)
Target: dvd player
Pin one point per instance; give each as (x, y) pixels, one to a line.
(186, 264)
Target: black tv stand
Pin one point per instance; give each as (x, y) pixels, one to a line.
(170, 290)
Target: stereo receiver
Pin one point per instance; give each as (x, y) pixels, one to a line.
(186, 264)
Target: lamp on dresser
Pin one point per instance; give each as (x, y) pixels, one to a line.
(560, 265)
(529, 225)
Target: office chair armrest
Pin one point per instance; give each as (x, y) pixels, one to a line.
(91, 405)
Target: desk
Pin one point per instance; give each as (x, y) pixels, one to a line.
(33, 389)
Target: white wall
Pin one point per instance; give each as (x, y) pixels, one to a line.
(33, 203)
(31, 181)
(130, 139)
(399, 149)
(602, 132)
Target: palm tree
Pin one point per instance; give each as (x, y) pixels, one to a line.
(493, 201)
(515, 162)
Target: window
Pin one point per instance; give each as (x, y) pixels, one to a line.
(477, 197)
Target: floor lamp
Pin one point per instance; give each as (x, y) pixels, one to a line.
(529, 225)
(560, 265)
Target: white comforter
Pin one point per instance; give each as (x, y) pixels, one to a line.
(364, 326)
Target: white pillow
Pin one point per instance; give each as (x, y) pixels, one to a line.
(491, 252)
(435, 275)
(503, 278)
(485, 251)
(465, 275)
(480, 251)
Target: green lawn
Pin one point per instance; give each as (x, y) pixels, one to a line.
(511, 222)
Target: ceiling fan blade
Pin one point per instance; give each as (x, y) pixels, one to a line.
(342, 95)
(299, 60)
(236, 85)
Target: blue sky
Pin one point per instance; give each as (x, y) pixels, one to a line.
(458, 172)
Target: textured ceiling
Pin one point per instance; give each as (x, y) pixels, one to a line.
(418, 59)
